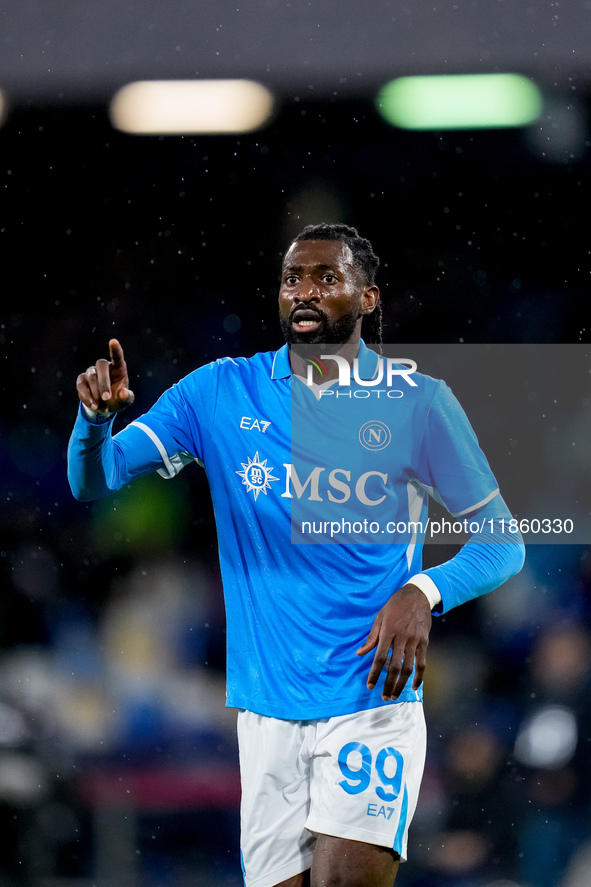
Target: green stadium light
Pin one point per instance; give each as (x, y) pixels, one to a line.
(460, 101)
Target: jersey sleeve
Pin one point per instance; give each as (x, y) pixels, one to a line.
(99, 464)
(491, 556)
(164, 439)
(181, 420)
(456, 471)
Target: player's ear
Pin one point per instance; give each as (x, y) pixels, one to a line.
(370, 299)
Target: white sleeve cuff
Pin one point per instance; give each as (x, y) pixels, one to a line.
(428, 587)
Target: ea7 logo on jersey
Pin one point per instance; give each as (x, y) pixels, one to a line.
(256, 476)
(250, 424)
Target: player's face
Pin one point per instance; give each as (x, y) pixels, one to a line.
(323, 296)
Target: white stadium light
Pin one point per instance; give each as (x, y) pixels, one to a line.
(186, 107)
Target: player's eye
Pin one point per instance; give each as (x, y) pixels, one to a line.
(329, 278)
(291, 280)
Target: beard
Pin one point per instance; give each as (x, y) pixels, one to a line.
(336, 333)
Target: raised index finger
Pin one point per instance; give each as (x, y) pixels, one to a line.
(116, 353)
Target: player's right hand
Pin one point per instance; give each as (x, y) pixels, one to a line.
(104, 386)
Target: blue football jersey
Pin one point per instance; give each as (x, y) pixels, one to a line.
(290, 467)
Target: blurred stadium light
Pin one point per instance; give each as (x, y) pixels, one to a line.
(461, 101)
(186, 107)
(548, 738)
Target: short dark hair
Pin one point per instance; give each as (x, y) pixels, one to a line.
(363, 255)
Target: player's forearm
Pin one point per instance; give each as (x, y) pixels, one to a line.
(490, 558)
(99, 464)
(92, 463)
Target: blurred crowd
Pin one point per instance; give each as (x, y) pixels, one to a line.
(507, 792)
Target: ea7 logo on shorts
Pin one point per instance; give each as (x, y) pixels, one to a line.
(256, 475)
(386, 812)
(375, 435)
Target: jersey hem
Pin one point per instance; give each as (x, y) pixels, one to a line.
(322, 714)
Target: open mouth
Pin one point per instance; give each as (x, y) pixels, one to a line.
(305, 321)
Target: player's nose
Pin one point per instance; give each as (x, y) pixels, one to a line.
(308, 292)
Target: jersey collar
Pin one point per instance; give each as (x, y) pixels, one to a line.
(367, 362)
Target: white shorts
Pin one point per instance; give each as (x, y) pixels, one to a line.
(356, 776)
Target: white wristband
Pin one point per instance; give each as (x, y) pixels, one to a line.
(428, 587)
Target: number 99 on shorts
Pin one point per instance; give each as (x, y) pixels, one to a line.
(356, 763)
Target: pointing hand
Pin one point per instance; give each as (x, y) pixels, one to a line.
(104, 386)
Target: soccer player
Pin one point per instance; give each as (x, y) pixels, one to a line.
(319, 483)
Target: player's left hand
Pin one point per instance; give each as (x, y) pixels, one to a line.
(403, 626)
